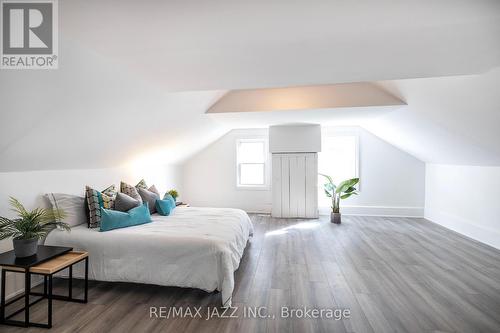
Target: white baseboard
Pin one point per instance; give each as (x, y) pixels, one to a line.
(389, 211)
(396, 211)
(465, 227)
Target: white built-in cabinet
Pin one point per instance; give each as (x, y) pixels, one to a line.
(295, 181)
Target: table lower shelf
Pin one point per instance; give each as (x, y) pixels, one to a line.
(47, 270)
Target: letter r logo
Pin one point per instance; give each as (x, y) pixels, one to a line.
(27, 28)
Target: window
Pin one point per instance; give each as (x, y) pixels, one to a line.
(251, 162)
(338, 159)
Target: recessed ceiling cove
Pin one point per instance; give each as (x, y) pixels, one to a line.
(346, 95)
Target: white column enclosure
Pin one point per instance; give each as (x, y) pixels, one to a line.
(295, 170)
(295, 181)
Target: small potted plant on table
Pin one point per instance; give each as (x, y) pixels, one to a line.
(336, 192)
(29, 227)
(174, 194)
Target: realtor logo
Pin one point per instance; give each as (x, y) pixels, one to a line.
(29, 34)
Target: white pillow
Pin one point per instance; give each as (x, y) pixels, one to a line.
(72, 205)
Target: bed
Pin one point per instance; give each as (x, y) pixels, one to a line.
(193, 247)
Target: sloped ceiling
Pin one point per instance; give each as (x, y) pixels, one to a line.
(237, 44)
(92, 113)
(450, 120)
(136, 79)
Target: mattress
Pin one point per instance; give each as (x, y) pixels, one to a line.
(193, 247)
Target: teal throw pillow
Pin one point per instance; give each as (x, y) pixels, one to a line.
(113, 219)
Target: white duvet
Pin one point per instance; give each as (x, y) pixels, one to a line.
(194, 247)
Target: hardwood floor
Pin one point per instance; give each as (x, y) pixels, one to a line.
(393, 274)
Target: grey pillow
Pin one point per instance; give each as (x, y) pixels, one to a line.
(150, 198)
(124, 202)
(72, 205)
(154, 190)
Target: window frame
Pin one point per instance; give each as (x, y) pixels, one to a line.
(267, 171)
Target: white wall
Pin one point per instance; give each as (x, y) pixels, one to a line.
(29, 187)
(392, 180)
(465, 199)
(209, 178)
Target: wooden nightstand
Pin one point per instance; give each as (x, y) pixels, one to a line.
(48, 261)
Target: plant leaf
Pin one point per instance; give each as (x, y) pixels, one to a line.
(5, 221)
(17, 206)
(330, 180)
(329, 187)
(351, 189)
(343, 186)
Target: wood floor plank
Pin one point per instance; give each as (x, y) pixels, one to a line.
(393, 274)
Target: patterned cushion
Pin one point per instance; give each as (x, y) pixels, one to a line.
(142, 184)
(96, 200)
(130, 190)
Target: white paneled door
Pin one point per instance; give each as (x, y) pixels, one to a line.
(295, 179)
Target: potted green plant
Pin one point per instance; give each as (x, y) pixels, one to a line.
(174, 194)
(337, 192)
(29, 227)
